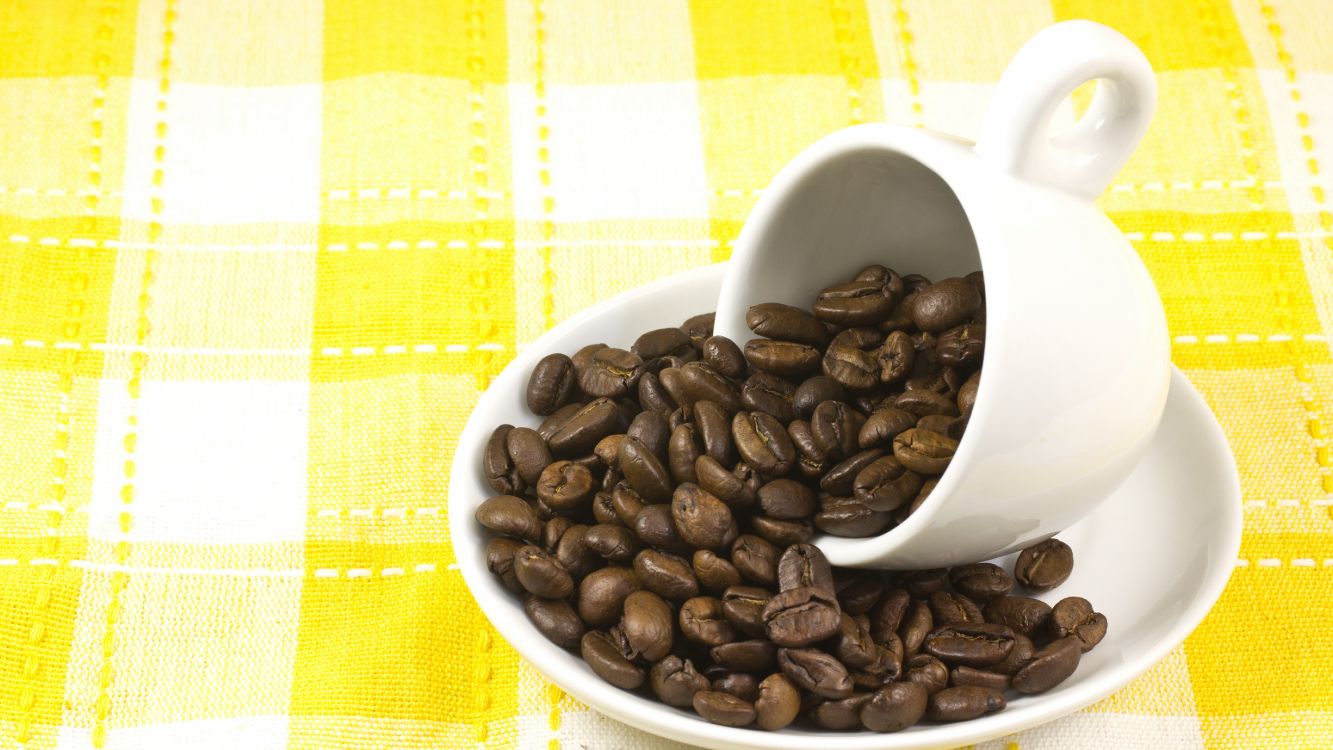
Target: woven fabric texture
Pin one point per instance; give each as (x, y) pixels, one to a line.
(258, 259)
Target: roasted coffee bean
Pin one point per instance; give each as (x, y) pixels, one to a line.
(510, 516)
(602, 595)
(553, 423)
(851, 517)
(611, 542)
(722, 354)
(1044, 565)
(944, 304)
(888, 613)
(895, 357)
(814, 391)
(661, 342)
(888, 664)
(611, 373)
(500, 561)
(881, 427)
(981, 582)
(967, 394)
(698, 327)
(923, 402)
(541, 574)
(855, 647)
(885, 484)
(723, 708)
(854, 369)
(701, 519)
(675, 681)
(863, 338)
(840, 714)
(841, 478)
(786, 323)
(811, 461)
(782, 358)
(962, 346)
(626, 503)
(763, 443)
(756, 559)
(714, 572)
(604, 509)
(743, 606)
(581, 432)
(653, 396)
(895, 707)
(565, 486)
(555, 619)
(528, 453)
(650, 428)
(858, 591)
(923, 451)
(666, 574)
(941, 423)
(608, 662)
(683, 450)
(582, 359)
(607, 450)
(916, 625)
(571, 553)
(802, 566)
(553, 530)
(1021, 613)
(835, 426)
(787, 499)
(644, 471)
(928, 672)
(1050, 666)
(501, 473)
(971, 644)
(947, 607)
(702, 621)
(739, 684)
(724, 484)
(696, 381)
(713, 426)
(963, 703)
(922, 583)
(1018, 657)
(655, 527)
(816, 671)
(648, 624)
(1074, 616)
(963, 676)
(881, 275)
(551, 385)
(782, 533)
(858, 303)
(770, 394)
(778, 704)
(801, 616)
(751, 656)
(942, 381)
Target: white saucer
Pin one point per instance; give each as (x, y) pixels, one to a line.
(1153, 558)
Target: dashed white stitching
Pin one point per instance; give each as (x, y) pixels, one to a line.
(328, 351)
(1247, 338)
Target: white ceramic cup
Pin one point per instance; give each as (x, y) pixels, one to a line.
(1077, 354)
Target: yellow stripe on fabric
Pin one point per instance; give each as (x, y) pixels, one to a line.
(413, 36)
(1259, 651)
(1143, 21)
(390, 631)
(50, 39)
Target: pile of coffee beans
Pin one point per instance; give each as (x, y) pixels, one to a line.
(658, 520)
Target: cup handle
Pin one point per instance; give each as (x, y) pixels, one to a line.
(1015, 136)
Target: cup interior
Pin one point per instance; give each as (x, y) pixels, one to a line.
(858, 206)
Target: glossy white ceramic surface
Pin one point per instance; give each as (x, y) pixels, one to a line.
(1077, 354)
(1153, 559)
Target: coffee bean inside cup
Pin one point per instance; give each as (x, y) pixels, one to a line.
(655, 517)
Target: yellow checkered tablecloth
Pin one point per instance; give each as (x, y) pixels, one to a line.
(259, 257)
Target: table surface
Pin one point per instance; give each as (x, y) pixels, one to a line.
(259, 257)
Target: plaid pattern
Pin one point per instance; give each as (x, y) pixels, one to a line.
(258, 258)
